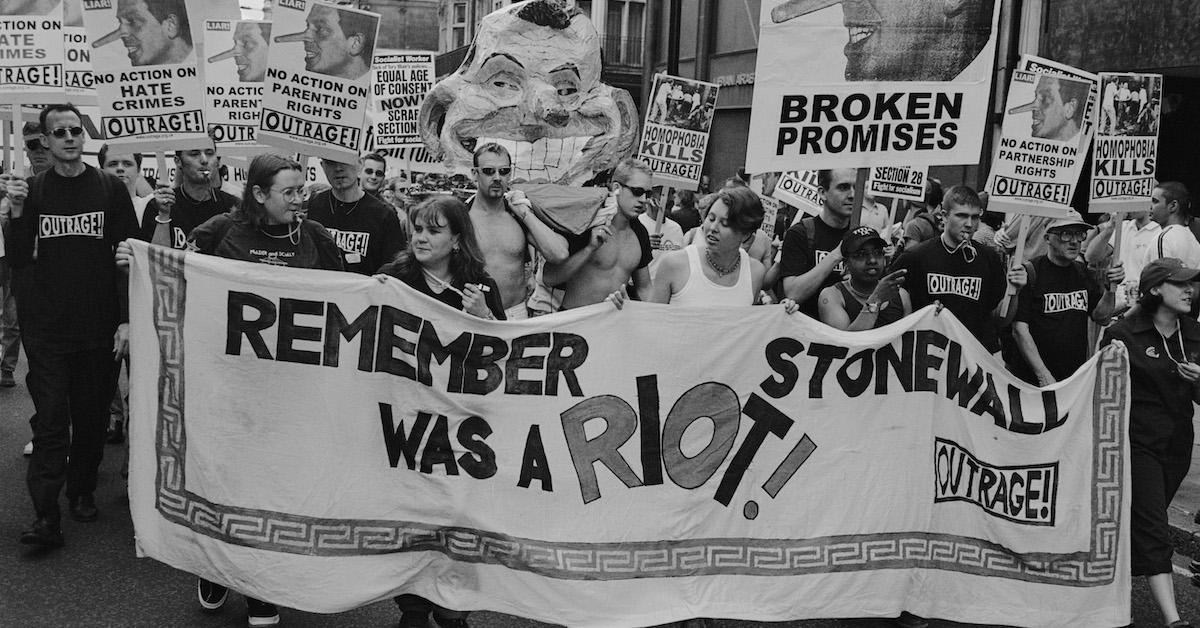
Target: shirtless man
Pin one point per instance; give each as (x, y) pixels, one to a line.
(617, 250)
(507, 229)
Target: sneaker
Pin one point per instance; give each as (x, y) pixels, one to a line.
(212, 596)
(43, 533)
(83, 508)
(28, 450)
(908, 620)
(7, 380)
(260, 613)
(116, 432)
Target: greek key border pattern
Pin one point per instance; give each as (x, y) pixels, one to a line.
(288, 533)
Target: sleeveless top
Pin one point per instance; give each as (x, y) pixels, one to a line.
(700, 290)
(893, 312)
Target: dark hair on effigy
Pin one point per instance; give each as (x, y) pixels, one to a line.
(550, 13)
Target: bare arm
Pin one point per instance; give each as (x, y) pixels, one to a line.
(551, 245)
(642, 283)
(164, 200)
(832, 310)
(557, 274)
(672, 272)
(800, 288)
(1030, 352)
(1099, 250)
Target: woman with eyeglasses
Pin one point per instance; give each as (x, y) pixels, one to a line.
(1163, 345)
(266, 228)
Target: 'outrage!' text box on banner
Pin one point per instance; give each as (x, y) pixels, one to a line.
(317, 88)
(148, 87)
(360, 436)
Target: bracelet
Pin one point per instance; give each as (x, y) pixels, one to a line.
(160, 221)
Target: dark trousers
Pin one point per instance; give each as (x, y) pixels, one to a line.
(71, 386)
(1155, 479)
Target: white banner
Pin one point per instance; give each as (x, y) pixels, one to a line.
(1038, 161)
(902, 182)
(844, 85)
(800, 190)
(31, 36)
(80, 80)
(675, 132)
(399, 84)
(318, 79)
(363, 440)
(234, 70)
(1125, 153)
(147, 80)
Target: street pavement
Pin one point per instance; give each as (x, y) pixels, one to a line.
(96, 580)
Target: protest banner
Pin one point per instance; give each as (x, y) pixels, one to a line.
(148, 86)
(675, 132)
(365, 440)
(79, 80)
(800, 190)
(903, 182)
(1125, 152)
(316, 92)
(910, 87)
(1038, 160)
(31, 36)
(1039, 65)
(399, 84)
(233, 88)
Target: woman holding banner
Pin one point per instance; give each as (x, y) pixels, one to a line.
(1163, 342)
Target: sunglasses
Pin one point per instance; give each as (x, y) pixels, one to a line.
(487, 172)
(75, 131)
(372, 172)
(1070, 236)
(32, 145)
(636, 191)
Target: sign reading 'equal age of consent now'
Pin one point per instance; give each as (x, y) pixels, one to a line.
(318, 79)
(399, 85)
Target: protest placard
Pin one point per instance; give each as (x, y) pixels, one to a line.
(1125, 152)
(836, 88)
(1038, 160)
(675, 132)
(903, 182)
(1039, 65)
(318, 79)
(31, 36)
(406, 439)
(800, 190)
(234, 73)
(399, 84)
(147, 79)
(79, 81)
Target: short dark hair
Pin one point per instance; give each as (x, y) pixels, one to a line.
(962, 196)
(685, 199)
(490, 147)
(745, 211)
(49, 109)
(373, 157)
(1070, 89)
(359, 24)
(825, 177)
(933, 193)
(162, 8)
(1176, 191)
(103, 155)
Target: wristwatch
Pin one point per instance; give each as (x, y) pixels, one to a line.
(872, 307)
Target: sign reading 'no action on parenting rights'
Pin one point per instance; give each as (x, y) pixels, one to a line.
(367, 440)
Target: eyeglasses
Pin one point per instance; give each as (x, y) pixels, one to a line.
(636, 191)
(75, 131)
(372, 172)
(487, 172)
(1070, 236)
(290, 194)
(32, 145)
(866, 254)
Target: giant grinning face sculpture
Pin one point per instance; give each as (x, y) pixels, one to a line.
(531, 82)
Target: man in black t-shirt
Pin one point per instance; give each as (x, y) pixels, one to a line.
(174, 212)
(365, 228)
(1054, 306)
(969, 280)
(73, 315)
(811, 257)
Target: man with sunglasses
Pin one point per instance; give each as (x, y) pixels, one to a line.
(74, 317)
(617, 251)
(509, 233)
(10, 330)
(1054, 306)
(372, 170)
(968, 280)
(174, 212)
(365, 228)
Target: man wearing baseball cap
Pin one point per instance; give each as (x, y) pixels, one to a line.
(1054, 306)
(868, 299)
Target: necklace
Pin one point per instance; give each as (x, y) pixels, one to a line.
(348, 211)
(438, 280)
(195, 201)
(861, 296)
(293, 234)
(1179, 337)
(968, 249)
(722, 271)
